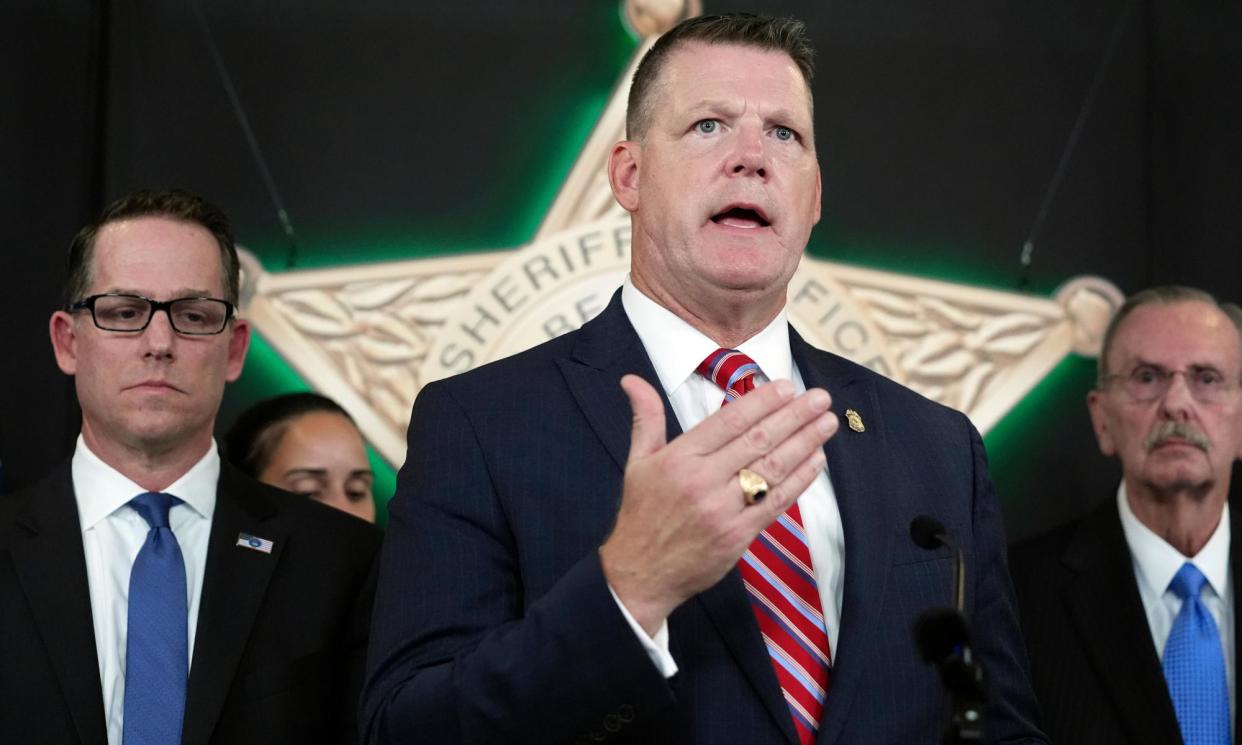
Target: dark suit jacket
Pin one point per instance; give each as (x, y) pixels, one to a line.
(494, 624)
(280, 645)
(1095, 668)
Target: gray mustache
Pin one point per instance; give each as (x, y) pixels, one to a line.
(1179, 430)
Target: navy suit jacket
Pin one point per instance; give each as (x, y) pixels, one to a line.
(1093, 661)
(494, 624)
(279, 653)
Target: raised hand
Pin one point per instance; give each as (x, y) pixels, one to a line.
(683, 521)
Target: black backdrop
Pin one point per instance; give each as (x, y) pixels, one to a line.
(394, 129)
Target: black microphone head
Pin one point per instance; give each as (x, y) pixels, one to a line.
(940, 633)
(927, 531)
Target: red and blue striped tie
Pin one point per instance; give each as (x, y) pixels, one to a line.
(780, 581)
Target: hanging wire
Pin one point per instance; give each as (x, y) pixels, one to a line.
(282, 215)
(1027, 254)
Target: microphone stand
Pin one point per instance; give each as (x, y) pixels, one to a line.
(942, 636)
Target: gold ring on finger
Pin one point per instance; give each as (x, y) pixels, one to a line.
(754, 487)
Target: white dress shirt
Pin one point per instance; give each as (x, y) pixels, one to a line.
(1155, 563)
(112, 534)
(676, 348)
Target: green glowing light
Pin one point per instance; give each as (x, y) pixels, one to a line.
(924, 259)
(1009, 441)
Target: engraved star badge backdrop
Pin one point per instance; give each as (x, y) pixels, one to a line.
(389, 132)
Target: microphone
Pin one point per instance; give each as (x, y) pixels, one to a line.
(929, 533)
(942, 636)
(942, 633)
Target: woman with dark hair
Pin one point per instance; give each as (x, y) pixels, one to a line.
(305, 443)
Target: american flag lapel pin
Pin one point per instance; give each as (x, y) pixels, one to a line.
(254, 543)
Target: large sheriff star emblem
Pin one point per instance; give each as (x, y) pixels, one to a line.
(372, 335)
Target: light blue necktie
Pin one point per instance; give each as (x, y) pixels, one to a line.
(156, 661)
(1194, 666)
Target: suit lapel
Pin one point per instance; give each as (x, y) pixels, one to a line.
(1104, 603)
(862, 469)
(234, 584)
(607, 348)
(51, 567)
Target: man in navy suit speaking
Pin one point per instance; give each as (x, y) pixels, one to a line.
(650, 530)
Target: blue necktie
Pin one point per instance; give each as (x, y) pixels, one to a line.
(1195, 667)
(156, 660)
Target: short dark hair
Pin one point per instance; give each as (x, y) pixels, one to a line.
(176, 204)
(745, 29)
(252, 440)
(1160, 295)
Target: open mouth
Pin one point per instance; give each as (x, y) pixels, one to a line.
(741, 217)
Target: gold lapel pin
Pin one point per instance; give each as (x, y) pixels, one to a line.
(855, 420)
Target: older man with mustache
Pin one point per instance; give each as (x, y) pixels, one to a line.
(1129, 613)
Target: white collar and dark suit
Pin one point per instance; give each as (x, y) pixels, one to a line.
(1094, 664)
(496, 470)
(855, 464)
(249, 642)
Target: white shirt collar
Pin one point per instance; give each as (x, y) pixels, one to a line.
(676, 348)
(1156, 561)
(101, 489)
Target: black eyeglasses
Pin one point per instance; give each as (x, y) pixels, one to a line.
(193, 316)
(1149, 382)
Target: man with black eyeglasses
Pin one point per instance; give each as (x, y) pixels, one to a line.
(149, 593)
(1129, 613)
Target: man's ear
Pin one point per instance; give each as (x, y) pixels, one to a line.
(1099, 422)
(623, 167)
(64, 341)
(239, 343)
(819, 193)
